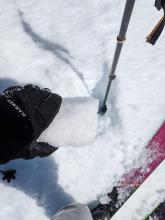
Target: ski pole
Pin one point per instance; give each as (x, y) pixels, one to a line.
(120, 40)
(156, 32)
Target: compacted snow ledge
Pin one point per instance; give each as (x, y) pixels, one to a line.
(75, 124)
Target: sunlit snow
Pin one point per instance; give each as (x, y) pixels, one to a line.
(67, 46)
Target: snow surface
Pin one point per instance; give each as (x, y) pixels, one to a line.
(146, 198)
(67, 46)
(75, 124)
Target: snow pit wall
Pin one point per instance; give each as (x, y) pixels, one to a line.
(75, 124)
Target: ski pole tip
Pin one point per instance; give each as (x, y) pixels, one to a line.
(102, 110)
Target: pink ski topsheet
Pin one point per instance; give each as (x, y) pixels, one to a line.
(155, 154)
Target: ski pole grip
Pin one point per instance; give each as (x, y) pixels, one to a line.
(156, 32)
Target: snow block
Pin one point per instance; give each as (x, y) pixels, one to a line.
(75, 124)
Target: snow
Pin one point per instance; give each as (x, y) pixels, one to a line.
(148, 196)
(17, 205)
(68, 47)
(75, 124)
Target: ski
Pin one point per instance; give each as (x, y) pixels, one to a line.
(158, 213)
(131, 181)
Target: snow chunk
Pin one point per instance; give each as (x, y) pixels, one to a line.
(75, 124)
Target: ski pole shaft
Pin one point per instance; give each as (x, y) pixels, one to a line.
(156, 32)
(120, 40)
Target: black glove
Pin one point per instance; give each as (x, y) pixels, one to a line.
(8, 175)
(159, 4)
(37, 149)
(40, 105)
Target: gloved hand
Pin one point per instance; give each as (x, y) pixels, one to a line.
(37, 149)
(41, 105)
(159, 4)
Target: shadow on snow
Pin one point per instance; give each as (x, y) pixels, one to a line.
(59, 51)
(38, 178)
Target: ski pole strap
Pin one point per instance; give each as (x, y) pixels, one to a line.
(156, 32)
